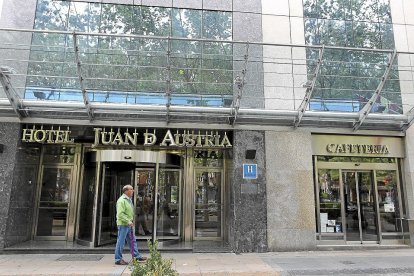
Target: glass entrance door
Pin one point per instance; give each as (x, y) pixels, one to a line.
(54, 203)
(360, 206)
(208, 211)
(164, 216)
(114, 177)
(167, 210)
(144, 202)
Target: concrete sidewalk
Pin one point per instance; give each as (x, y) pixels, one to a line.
(390, 262)
(103, 264)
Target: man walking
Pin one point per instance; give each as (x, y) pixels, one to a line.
(125, 222)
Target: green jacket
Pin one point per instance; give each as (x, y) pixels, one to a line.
(124, 211)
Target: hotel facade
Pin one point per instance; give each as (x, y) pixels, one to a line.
(259, 125)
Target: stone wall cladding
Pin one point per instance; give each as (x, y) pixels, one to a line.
(290, 191)
(248, 196)
(9, 134)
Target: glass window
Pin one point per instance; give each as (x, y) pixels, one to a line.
(59, 154)
(186, 23)
(388, 201)
(131, 70)
(208, 158)
(330, 218)
(356, 159)
(217, 25)
(349, 78)
(156, 21)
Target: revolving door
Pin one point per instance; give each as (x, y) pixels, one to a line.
(156, 178)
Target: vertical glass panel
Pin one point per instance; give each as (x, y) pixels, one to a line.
(52, 222)
(311, 33)
(144, 204)
(208, 158)
(87, 203)
(186, 23)
(54, 202)
(387, 36)
(217, 25)
(332, 32)
(310, 8)
(330, 201)
(116, 175)
(79, 16)
(156, 21)
(331, 9)
(369, 226)
(364, 10)
(384, 11)
(360, 202)
(208, 208)
(168, 216)
(388, 201)
(366, 35)
(59, 154)
(51, 15)
(351, 206)
(117, 19)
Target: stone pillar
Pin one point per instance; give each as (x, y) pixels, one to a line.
(409, 180)
(248, 196)
(290, 191)
(9, 134)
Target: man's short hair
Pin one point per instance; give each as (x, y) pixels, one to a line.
(126, 188)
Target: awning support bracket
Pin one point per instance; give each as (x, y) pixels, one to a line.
(239, 82)
(309, 89)
(82, 85)
(11, 94)
(363, 113)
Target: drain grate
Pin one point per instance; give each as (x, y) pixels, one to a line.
(85, 258)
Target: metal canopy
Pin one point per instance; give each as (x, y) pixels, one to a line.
(144, 80)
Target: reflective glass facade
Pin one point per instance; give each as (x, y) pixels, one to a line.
(131, 69)
(348, 79)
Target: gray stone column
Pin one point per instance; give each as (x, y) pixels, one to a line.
(9, 134)
(290, 191)
(248, 196)
(408, 178)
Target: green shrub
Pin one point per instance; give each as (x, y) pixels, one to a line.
(155, 265)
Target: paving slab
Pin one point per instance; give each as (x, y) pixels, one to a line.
(355, 262)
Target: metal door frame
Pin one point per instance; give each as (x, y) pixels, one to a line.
(357, 167)
(222, 204)
(375, 193)
(101, 194)
(155, 172)
(70, 219)
(179, 203)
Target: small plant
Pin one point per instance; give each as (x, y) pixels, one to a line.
(155, 265)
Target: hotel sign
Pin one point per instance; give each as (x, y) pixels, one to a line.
(347, 145)
(178, 139)
(125, 137)
(48, 136)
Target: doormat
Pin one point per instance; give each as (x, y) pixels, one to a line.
(84, 258)
(211, 247)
